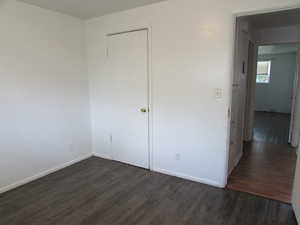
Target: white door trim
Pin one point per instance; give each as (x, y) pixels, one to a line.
(150, 85)
(294, 125)
(294, 96)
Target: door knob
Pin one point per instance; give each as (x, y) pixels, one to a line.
(143, 110)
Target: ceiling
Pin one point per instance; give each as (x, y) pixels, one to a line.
(275, 19)
(86, 9)
(278, 49)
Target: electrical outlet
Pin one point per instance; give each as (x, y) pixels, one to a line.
(177, 156)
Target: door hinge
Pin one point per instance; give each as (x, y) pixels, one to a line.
(229, 113)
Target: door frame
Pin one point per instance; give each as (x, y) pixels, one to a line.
(147, 28)
(294, 124)
(251, 91)
(294, 99)
(235, 16)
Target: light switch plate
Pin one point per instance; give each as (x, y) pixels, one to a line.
(218, 93)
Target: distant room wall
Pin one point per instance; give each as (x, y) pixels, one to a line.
(288, 34)
(276, 95)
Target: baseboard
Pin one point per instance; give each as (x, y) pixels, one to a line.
(175, 174)
(297, 218)
(188, 177)
(42, 174)
(236, 161)
(103, 156)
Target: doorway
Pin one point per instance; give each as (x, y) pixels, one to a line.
(128, 101)
(276, 87)
(265, 97)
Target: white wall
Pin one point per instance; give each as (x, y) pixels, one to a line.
(276, 96)
(192, 54)
(43, 92)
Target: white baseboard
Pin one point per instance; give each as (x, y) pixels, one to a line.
(103, 156)
(188, 177)
(42, 174)
(236, 161)
(296, 208)
(175, 174)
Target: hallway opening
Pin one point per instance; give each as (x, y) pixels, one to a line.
(265, 102)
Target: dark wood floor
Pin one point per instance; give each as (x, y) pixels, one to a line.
(267, 167)
(272, 127)
(102, 192)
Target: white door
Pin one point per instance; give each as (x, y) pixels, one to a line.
(128, 71)
(238, 99)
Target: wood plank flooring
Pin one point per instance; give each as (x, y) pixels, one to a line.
(266, 170)
(102, 192)
(267, 167)
(272, 127)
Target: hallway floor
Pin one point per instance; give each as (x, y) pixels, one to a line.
(272, 127)
(267, 167)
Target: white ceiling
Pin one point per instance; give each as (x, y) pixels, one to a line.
(87, 9)
(275, 19)
(278, 49)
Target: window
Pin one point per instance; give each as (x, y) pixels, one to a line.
(263, 72)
